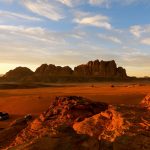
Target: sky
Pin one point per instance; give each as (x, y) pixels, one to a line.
(72, 32)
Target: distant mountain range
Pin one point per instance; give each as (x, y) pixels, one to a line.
(92, 71)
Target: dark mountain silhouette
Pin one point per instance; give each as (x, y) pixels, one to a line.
(92, 71)
(18, 74)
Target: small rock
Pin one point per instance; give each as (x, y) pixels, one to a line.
(4, 116)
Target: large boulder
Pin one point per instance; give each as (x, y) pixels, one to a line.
(69, 109)
(104, 126)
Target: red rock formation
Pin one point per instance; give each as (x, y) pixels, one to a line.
(105, 125)
(106, 69)
(145, 103)
(126, 127)
(53, 70)
(92, 71)
(18, 74)
(64, 111)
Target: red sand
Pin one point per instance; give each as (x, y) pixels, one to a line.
(19, 102)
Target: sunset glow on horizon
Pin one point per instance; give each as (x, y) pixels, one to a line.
(73, 32)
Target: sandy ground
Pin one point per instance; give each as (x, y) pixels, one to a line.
(19, 102)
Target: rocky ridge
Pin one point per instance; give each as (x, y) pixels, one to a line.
(78, 123)
(92, 71)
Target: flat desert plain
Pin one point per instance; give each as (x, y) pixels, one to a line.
(20, 102)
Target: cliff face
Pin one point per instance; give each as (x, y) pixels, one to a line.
(92, 71)
(54, 70)
(106, 69)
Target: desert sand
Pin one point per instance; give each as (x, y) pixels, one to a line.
(19, 102)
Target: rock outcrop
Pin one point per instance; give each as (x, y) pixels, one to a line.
(53, 70)
(104, 126)
(17, 74)
(105, 69)
(67, 140)
(92, 71)
(73, 122)
(145, 103)
(62, 113)
(8, 135)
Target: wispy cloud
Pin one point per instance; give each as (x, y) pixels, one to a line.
(7, 14)
(136, 30)
(67, 2)
(105, 3)
(146, 41)
(87, 19)
(7, 1)
(34, 33)
(85, 33)
(142, 33)
(45, 8)
(110, 38)
(108, 3)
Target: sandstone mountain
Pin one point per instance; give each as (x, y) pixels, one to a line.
(106, 69)
(18, 74)
(92, 71)
(50, 70)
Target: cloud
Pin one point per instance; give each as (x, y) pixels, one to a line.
(87, 19)
(100, 2)
(73, 3)
(34, 46)
(108, 3)
(136, 30)
(142, 33)
(7, 1)
(45, 8)
(66, 2)
(110, 38)
(145, 41)
(37, 34)
(12, 15)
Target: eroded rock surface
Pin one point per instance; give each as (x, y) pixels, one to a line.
(64, 111)
(145, 103)
(106, 69)
(105, 125)
(96, 126)
(54, 70)
(8, 135)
